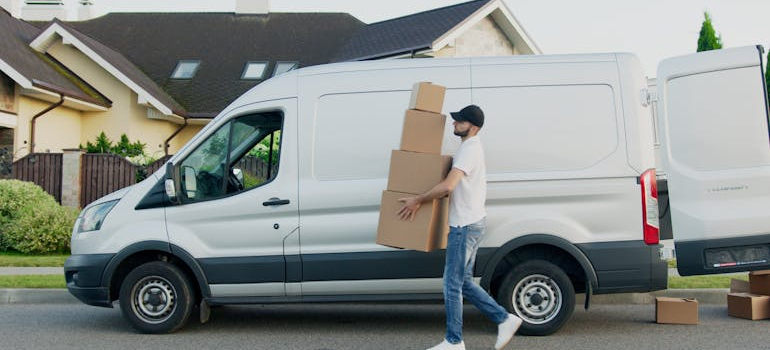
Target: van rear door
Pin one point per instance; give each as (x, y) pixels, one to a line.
(716, 153)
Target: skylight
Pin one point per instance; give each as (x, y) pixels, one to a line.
(185, 69)
(283, 67)
(254, 70)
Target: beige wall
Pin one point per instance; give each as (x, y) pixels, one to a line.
(483, 39)
(125, 116)
(55, 130)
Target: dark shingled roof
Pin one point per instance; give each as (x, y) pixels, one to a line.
(404, 34)
(126, 67)
(40, 69)
(223, 42)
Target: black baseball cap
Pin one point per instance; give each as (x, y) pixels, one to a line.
(471, 113)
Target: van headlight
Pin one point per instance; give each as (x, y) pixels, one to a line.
(92, 218)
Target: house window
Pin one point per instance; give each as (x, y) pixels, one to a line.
(254, 70)
(283, 67)
(185, 69)
(7, 94)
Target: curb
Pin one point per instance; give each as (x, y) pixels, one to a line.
(704, 296)
(36, 296)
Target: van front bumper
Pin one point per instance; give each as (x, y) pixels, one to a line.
(83, 274)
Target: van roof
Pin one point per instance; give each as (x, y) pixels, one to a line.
(448, 62)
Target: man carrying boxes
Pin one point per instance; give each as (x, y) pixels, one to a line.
(466, 182)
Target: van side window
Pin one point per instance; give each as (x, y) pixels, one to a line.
(241, 155)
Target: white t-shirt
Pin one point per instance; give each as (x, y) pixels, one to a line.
(466, 204)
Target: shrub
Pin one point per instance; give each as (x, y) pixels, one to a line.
(43, 230)
(31, 221)
(16, 195)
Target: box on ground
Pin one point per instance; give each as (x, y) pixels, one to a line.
(417, 173)
(428, 231)
(748, 306)
(423, 132)
(759, 282)
(427, 97)
(676, 310)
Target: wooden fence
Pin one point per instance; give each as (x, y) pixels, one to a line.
(102, 174)
(44, 169)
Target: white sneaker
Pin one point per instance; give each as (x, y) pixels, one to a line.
(506, 330)
(446, 345)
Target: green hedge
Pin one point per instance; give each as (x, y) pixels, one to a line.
(31, 221)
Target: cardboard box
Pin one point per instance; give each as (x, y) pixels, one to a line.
(742, 304)
(748, 306)
(676, 310)
(759, 282)
(427, 97)
(428, 231)
(423, 132)
(416, 173)
(739, 286)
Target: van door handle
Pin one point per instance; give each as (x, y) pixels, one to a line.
(275, 201)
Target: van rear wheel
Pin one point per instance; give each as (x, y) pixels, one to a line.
(156, 297)
(541, 294)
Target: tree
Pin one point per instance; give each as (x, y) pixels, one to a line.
(708, 40)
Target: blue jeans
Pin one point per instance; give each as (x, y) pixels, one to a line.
(462, 244)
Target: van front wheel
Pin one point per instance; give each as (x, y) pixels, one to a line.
(541, 294)
(156, 297)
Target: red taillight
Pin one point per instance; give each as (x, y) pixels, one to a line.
(650, 207)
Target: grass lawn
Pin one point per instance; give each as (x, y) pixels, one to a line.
(12, 259)
(692, 282)
(33, 281)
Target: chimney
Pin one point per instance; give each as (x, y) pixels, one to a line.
(84, 10)
(43, 10)
(252, 7)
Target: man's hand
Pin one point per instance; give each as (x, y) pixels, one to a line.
(411, 205)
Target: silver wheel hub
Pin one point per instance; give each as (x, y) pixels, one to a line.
(537, 299)
(153, 299)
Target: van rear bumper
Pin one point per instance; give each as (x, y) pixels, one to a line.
(627, 266)
(83, 274)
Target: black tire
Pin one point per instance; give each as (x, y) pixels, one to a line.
(541, 294)
(156, 297)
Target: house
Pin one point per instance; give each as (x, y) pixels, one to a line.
(160, 77)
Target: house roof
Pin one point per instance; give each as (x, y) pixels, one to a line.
(155, 42)
(406, 34)
(39, 72)
(117, 62)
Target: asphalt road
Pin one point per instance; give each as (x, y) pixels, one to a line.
(366, 326)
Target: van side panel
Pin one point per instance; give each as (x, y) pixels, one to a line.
(349, 124)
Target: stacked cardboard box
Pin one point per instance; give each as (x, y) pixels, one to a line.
(414, 169)
(750, 300)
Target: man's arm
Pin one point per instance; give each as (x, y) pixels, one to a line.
(443, 188)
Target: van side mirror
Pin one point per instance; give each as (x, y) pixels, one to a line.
(169, 182)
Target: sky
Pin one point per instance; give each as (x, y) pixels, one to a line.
(652, 29)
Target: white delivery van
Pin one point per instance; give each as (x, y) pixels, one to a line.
(277, 199)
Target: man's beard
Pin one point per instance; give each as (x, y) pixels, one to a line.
(461, 133)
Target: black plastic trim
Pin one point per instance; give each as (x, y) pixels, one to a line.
(691, 257)
(157, 246)
(233, 270)
(155, 198)
(399, 264)
(326, 299)
(488, 264)
(83, 272)
(626, 266)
